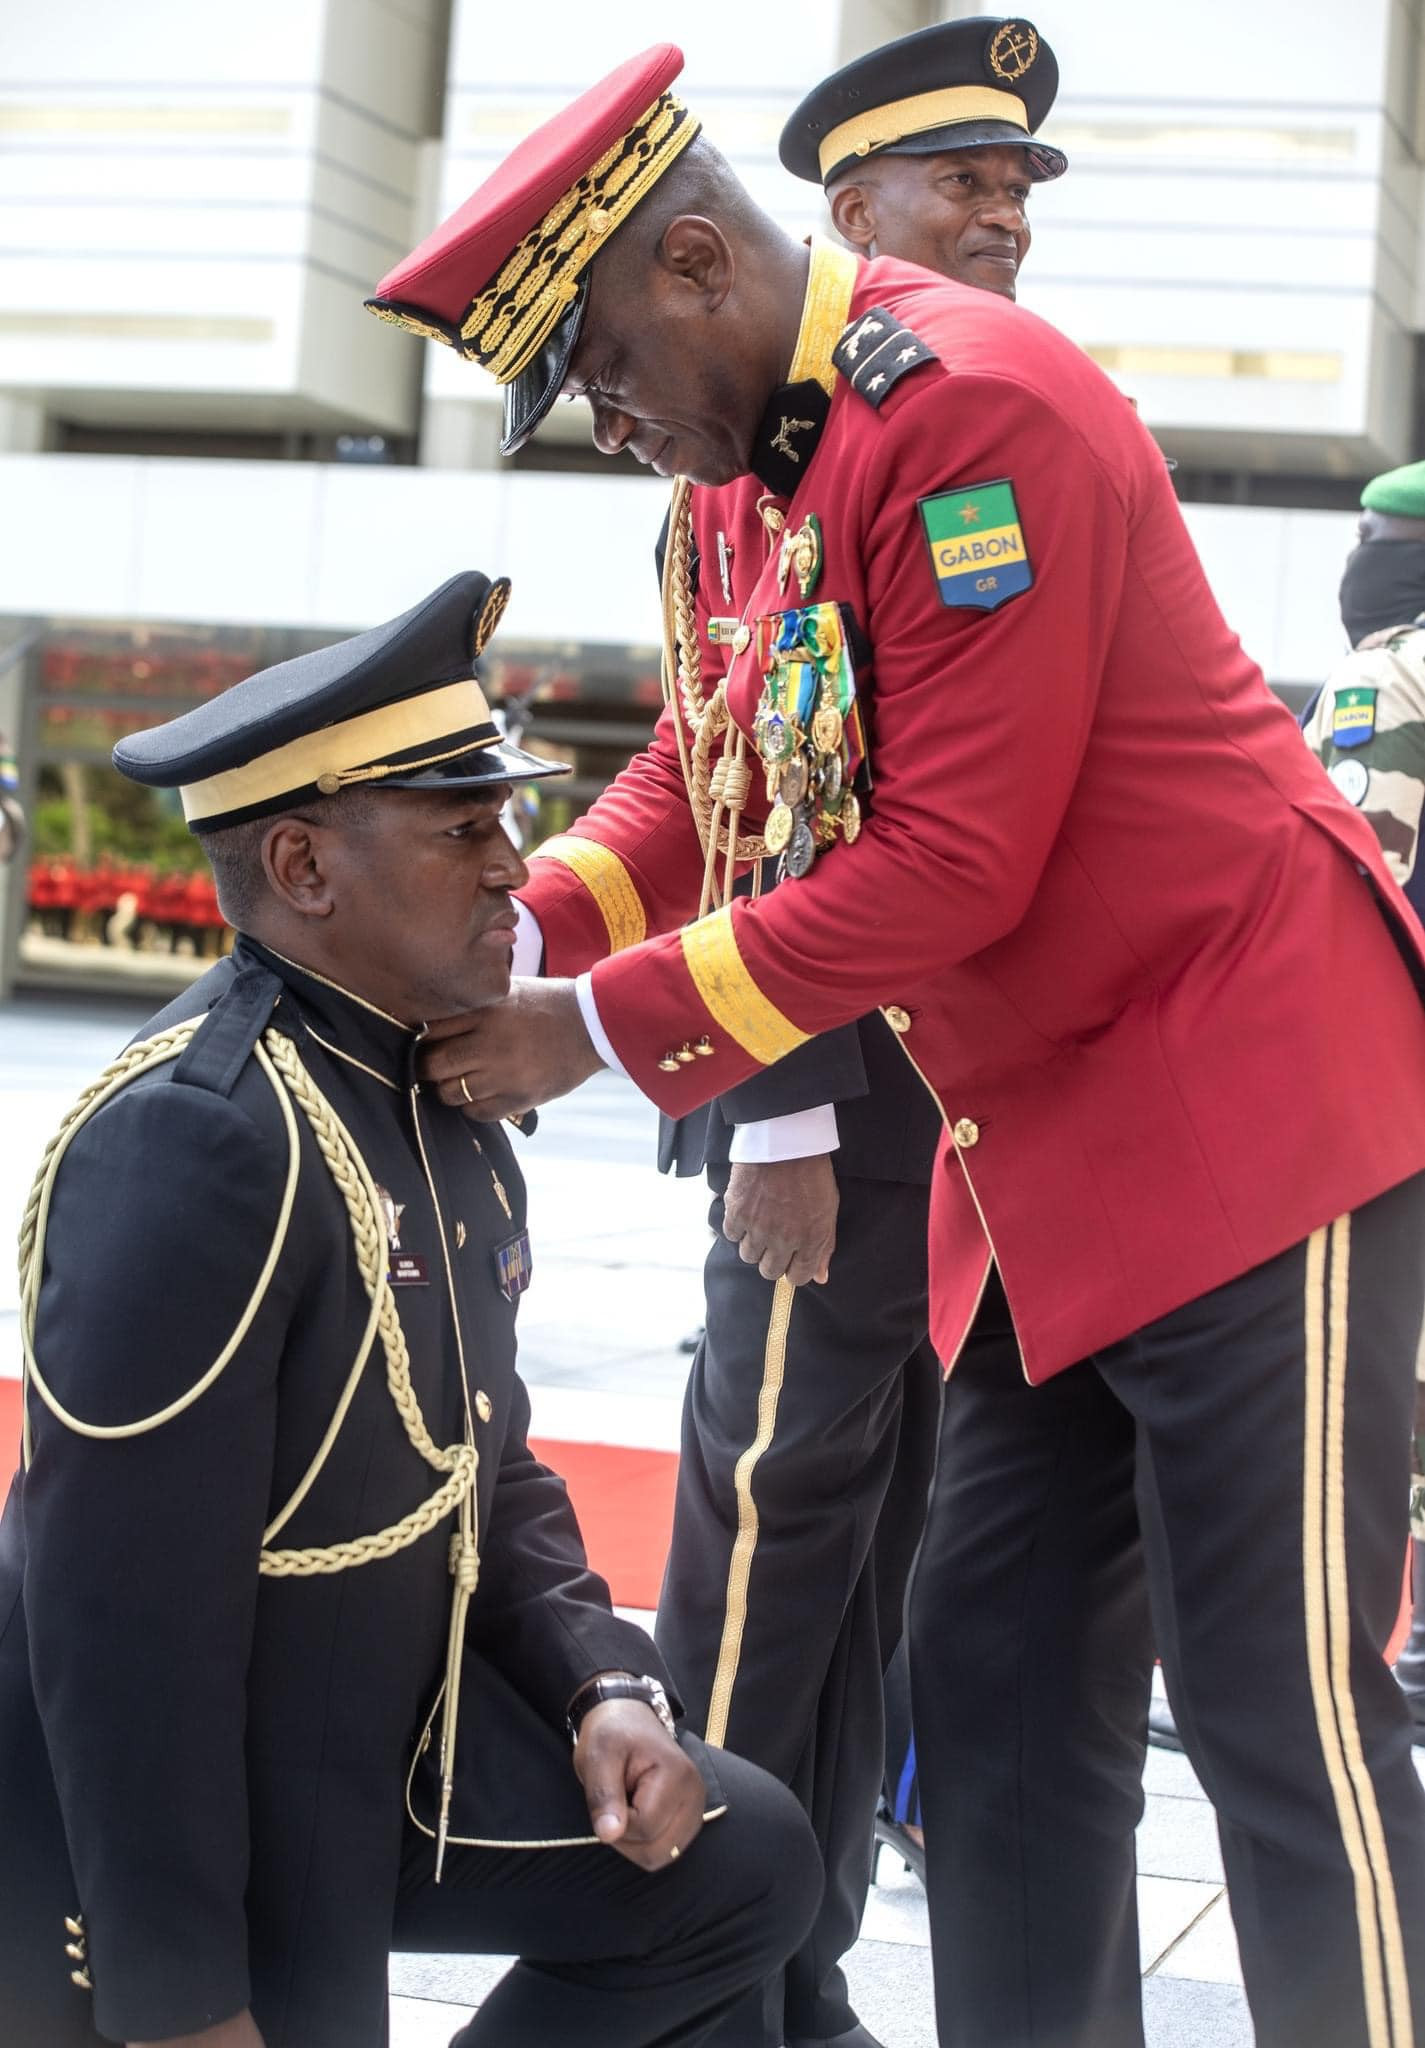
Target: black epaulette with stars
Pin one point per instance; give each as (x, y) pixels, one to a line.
(876, 351)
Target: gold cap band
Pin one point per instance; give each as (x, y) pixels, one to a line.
(515, 315)
(924, 110)
(356, 749)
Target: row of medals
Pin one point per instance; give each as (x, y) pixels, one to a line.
(806, 786)
(806, 772)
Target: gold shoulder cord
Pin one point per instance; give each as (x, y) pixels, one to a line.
(290, 1082)
(713, 786)
(725, 784)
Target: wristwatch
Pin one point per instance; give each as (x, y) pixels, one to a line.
(618, 1685)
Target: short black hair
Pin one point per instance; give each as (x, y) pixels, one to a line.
(235, 852)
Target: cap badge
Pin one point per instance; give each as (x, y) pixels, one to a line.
(1013, 50)
(491, 613)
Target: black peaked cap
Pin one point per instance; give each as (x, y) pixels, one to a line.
(380, 679)
(1003, 54)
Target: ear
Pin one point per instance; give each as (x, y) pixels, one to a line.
(853, 214)
(695, 251)
(292, 859)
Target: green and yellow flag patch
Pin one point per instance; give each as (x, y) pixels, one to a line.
(976, 545)
(1353, 721)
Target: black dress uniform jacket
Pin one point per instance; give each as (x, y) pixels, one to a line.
(208, 1766)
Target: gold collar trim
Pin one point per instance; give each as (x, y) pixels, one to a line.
(301, 967)
(831, 279)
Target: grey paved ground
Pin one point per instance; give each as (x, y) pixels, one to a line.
(617, 1255)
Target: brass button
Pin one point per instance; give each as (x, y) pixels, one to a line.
(683, 1055)
(668, 1064)
(82, 1978)
(74, 1923)
(459, 1235)
(484, 1407)
(896, 1017)
(76, 1951)
(966, 1133)
(704, 1049)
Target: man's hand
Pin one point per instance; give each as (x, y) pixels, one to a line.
(513, 1056)
(782, 1217)
(645, 1797)
(238, 2032)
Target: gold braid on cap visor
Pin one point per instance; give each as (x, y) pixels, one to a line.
(516, 314)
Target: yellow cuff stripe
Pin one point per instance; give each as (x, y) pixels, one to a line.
(607, 880)
(924, 110)
(721, 978)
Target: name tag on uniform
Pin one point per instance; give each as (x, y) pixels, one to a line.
(514, 1267)
(403, 1268)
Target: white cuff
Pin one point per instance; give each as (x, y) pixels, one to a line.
(528, 956)
(804, 1134)
(589, 1011)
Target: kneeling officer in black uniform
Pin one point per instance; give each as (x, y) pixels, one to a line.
(294, 1628)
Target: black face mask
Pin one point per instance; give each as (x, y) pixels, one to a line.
(1383, 585)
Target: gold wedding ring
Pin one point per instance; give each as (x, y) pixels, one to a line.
(466, 1092)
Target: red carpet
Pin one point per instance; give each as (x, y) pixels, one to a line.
(9, 1427)
(623, 1498)
(624, 1501)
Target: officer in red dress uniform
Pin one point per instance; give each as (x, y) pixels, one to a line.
(780, 1634)
(1035, 799)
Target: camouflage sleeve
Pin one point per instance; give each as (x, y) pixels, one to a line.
(1368, 730)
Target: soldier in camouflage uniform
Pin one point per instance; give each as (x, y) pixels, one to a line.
(1368, 727)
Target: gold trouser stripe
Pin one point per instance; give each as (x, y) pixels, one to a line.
(721, 978)
(739, 1570)
(1327, 1603)
(607, 880)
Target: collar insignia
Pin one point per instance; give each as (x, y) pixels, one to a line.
(788, 435)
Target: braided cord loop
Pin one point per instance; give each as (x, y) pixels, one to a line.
(707, 720)
(290, 1082)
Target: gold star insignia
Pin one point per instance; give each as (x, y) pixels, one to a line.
(970, 514)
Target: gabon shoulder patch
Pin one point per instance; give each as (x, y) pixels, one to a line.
(977, 551)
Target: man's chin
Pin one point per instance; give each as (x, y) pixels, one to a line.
(713, 467)
(453, 1004)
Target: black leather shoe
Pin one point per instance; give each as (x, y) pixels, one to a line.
(901, 1842)
(857, 2038)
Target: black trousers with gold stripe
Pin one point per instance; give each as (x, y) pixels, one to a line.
(1254, 1444)
(809, 1433)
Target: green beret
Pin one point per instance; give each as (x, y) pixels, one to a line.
(1400, 491)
